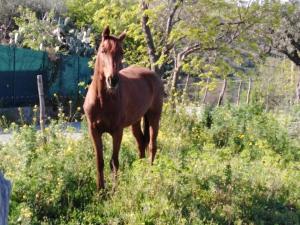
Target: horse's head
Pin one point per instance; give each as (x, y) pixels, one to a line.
(110, 55)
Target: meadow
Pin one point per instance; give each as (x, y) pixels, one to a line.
(225, 165)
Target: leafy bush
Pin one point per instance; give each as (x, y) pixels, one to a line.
(246, 130)
(202, 175)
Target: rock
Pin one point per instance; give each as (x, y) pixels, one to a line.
(5, 188)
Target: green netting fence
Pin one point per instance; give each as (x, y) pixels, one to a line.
(19, 68)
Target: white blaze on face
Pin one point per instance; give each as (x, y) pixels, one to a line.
(108, 66)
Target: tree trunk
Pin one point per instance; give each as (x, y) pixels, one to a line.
(175, 77)
(221, 96)
(179, 59)
(149, 39)
(249, 90)
(239, 93)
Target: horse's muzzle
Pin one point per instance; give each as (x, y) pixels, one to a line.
(112, 82)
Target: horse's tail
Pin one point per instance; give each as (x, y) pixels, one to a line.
(146, 131)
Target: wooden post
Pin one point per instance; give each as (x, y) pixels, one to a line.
(239, 93)
(42, 102)
(249, 90)
(292, 81)
(269, 81)
(185, 96)
(186, 83)
(298, 92)
(221, 96)
(205, 91)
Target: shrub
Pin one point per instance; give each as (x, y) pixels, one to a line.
(202, 175)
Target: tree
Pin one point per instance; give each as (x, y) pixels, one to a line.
(7, 12)
(206, 38)
(285, 38)
(120, 16)
(218, 32)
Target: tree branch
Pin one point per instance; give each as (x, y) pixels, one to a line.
(191, 49)
(295, 44)
(293, 56)
(170, 22)
(231, 23)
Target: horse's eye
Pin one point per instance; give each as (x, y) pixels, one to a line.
(103, 51)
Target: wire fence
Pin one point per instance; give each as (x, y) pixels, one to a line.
(237, 92)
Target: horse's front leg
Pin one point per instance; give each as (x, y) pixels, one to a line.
(114, 162)
(98, 147)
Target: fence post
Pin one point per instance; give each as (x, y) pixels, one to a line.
(205, 91)
(5, 189)
(41, 101)
(292, 81)
(239, 93)
(249, 90)
(221, 96)
(185, 90)
(268, 94)
(298, 92)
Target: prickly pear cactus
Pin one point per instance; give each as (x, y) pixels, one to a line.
(51, 34)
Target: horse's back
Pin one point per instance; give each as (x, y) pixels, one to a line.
(142, 78)
(137, 72)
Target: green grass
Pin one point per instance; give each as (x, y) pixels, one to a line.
(230, 166)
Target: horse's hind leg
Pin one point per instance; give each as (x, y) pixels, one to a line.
(153, 131)
(139, 136)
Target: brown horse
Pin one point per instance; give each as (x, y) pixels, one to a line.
(118, 98)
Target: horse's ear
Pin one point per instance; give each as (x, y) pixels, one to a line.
(106, 32)
(122, 36)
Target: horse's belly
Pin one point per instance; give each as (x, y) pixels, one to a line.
(134, 115)
(136, 107)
